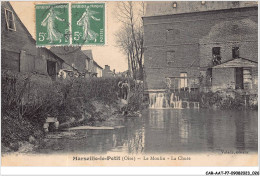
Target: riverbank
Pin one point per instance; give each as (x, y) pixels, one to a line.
(106, 117)
(28, 101)
(228, 99)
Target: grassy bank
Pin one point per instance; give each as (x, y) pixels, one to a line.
(27, 101)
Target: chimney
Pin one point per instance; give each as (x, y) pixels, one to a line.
(107, 67)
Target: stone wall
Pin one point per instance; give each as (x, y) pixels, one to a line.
(187, 37)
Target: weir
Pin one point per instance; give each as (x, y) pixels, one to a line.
(163, 100)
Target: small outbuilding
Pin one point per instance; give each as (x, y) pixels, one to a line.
(239, 73)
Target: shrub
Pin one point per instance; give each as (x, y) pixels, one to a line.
(26, 101)
(136, 96)
(227, 99)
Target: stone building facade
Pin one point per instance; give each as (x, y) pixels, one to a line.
(187, 42)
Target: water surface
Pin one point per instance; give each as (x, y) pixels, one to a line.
(167, 131)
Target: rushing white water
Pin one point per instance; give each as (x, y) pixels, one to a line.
(157, 100)
(175, 102)
(162, 100)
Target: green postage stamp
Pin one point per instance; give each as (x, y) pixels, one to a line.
(88, 23)
(52, 24)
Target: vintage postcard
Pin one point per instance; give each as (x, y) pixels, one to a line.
(129, 83)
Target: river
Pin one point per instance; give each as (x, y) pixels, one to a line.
(166, 131)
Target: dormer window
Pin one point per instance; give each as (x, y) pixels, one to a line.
(9, 17)
(174, 5)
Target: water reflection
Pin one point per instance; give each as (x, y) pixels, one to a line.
(135, 144)
(240, 133)
(167, 131)
(209, 134)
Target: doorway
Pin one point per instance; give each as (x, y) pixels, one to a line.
(51, 69)
(239, 78)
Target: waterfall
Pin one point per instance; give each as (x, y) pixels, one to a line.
(162, 100)
(158, 100)
(196, 105)
(175, 102)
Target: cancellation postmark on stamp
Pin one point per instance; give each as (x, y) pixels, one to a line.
(52, 24)
(88, 24)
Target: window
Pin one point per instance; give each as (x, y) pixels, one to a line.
(183, 80)
(216, 51)
(9, 17)
(216, 55)
(170, 56)
(235, 52)
(174, 5)
(171, 34)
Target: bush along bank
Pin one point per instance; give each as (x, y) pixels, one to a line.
(229, 99)
(27, 101)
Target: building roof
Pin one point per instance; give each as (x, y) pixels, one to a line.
(167, 7)
(89, 54)
(71, 55)
(97, 65)
(67, 52)
(238, 62)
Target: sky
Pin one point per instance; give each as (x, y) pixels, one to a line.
(103, 55)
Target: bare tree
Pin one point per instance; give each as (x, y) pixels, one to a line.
(130, 36)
